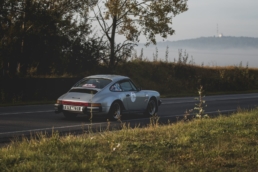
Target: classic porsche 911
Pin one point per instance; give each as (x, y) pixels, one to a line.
(110, 95)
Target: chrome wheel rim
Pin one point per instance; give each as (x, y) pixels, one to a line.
(151, 107)
(117, 111)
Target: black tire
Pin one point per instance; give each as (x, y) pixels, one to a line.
(70, 115)
(152, 108)
(115, 111)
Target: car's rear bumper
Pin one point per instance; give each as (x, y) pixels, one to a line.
(58, 108)
(85, 110)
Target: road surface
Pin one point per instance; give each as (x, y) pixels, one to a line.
(24, 120)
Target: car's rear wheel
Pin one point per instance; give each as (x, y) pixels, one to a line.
(70, 115)
(115, 111)
(151, 108)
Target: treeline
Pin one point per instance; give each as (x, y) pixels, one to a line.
(170, 79)
(184, 79)
(46, 37)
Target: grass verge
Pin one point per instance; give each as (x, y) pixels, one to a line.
(213, 144)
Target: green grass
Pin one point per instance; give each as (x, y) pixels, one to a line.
(214, 144)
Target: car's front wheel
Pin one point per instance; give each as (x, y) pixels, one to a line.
(70, 115)
(115, 111)
(151, 108)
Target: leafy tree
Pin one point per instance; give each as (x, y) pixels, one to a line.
(84, 55)
(132, 18)
(51, 28)
(8, 42)
(41, 33)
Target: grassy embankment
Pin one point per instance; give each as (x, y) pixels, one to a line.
(213, 144)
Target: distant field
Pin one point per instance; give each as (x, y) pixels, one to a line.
(213, 144)
(209, 51)
(206, 57)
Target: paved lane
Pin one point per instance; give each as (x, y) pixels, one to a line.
(19, 120)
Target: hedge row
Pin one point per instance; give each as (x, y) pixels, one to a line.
(167, 78)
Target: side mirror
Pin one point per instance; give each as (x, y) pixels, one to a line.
(139, 89)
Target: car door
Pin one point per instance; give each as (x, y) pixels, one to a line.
(135, 98)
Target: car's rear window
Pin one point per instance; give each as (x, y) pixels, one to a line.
(93, 83)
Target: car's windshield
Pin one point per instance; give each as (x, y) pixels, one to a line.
(93, 83)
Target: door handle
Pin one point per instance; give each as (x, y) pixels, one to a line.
(127, 95)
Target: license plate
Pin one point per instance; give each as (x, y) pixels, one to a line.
(72, 108)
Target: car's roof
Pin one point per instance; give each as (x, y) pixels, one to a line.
(109, 76)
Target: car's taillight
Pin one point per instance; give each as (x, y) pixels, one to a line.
(75, 103)
(94, 105)
(79, 103)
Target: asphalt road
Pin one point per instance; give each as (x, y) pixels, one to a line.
(24, 120)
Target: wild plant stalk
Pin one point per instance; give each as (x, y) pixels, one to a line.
(155, 56)
(187, 113)
(141, 55)
(119, 119)
(199, 107)
(166, 55)
(154, 120)
(108, 125)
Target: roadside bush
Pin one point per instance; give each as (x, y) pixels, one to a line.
(177, 78)
(170, 79)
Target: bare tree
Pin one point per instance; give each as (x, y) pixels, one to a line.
(132, 18)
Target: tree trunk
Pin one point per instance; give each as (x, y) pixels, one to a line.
(112, 57)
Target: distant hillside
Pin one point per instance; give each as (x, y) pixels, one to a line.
(225, 42)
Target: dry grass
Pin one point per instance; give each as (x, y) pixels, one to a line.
(219, 144)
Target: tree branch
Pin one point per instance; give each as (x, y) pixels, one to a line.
(104, 29)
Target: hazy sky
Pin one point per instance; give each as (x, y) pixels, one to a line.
(233, 17)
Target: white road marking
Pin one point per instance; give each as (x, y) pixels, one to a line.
(52, 128)
(218, 111)
(163, 103)
(16, 113)
(193, 101)
(83, 125)
(177, 102)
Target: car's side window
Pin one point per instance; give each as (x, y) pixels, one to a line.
(116, 87)
(134, 88)
(127, 86)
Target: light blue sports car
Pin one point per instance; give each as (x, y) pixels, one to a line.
(110, 95)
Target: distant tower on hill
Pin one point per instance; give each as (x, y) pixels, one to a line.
(219, 35)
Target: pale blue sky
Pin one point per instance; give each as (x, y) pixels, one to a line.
(234, 18)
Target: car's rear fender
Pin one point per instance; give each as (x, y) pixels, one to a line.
(106, 100)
